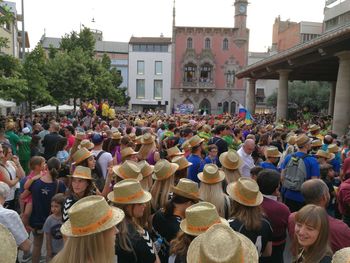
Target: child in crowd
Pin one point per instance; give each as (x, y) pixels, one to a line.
(54, 240)
(327, 175)
(62, 154)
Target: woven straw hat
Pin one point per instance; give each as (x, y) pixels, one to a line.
(164, 169)
(245, 191)
(221, 244)
(342, 256)
(174, 151)
(324, 154)
(186, 146)
(8, 248)
(81, 155)
(316, 143)
(272, 151)
(128, 170)
(127, 152)
(186, 188)
(138, 139)
(199, 217)
(86, 144)
(333, 148)
(314, 127)
(211, 174)
(129, 191)
(91, 215)
(302, 139)
(181, 161)
(230, 160)
(82, 172)
(291, 140)
(116, 136)
(195, 140)
(269, 127)
(132, 136)
(80, 135)
(146, 168)
(147, 138)
(279, 127)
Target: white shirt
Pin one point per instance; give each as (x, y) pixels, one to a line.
(104, 160)
(248, 162)
(10, 172)
(11, 220)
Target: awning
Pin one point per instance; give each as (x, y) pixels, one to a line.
(7, 104)
(52, 108)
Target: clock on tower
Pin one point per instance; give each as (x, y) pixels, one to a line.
(240, 13)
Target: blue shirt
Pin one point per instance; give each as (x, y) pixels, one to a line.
(195, 168)
(312, 169)
(267, 165)
(208, 160)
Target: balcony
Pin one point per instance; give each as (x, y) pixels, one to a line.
(197, 86)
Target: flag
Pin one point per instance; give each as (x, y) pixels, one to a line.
(242, 112)
(248, 118)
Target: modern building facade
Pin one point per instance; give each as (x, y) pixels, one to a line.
(336, 14)
(150, 73)
(205, 61)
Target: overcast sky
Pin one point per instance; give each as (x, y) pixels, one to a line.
(120, 19)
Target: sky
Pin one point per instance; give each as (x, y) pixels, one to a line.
(121, 19)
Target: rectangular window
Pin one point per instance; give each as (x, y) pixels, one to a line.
(140, 88)
(158, 67)
(140, 67)
(158, 89)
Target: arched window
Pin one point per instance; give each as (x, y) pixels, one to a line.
(190, 72)
(233, 107)
(225, 44)
(230, 78)
(189, 42)
(225, 107)
(206, 73)
(207, 43)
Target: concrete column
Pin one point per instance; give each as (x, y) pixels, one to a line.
(331, 99)
(282, 95)
(250, 96)
(342, 95)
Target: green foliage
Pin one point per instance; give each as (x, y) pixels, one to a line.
(106, 62)
(5, 18)
(84, 40)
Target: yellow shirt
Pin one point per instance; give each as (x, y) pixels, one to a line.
(105, 109)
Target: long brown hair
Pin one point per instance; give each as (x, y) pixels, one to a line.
(250, 216)
(180, 244)
(160, 192)
(316, 217)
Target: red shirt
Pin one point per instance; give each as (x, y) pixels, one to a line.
(346, 166)
(70, 143)
(343, 198)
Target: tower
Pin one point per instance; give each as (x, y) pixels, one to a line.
(241, 13)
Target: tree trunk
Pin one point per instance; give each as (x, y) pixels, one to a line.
(57, 112)
(30, 108)
(75, 104)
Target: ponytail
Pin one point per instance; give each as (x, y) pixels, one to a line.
(53, 165)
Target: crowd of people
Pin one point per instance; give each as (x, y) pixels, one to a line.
(157, 188)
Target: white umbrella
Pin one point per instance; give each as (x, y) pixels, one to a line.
(51, 108)
(6, 104)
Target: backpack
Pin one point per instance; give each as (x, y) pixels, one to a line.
(98, 174)
(295, 173)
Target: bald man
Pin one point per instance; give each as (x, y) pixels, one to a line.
(245, 152)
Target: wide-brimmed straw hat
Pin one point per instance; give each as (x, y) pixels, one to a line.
(302, 139)
(324, 154)
(230, 160)
(291, 139)
(279, 127)
(82, 172)
(116, 135)
(186, 146)
(8, 248)
(132, 136)
(186, 188)
(129, 191)
(314, 127)
(91, 215)
(80, 136)
(128, 170)
(86, 144)
(316, 143)
(128, 151)
(211, 174)
(146, 168)
(195, 141)
(163, 169)
(269, 127)
(273, 152)
(81, 155)
(245, 191)
(181, 161)
(199, 217)
(174, 151)
(333, 148)
(342, 256)
(221, 244)
(137, 140)
(147, 138)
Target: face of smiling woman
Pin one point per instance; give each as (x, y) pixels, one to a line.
(306, 234)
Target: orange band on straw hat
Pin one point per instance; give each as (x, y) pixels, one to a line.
(241, 260)
(202, 228)
(81, 174)
(211, 180)
(92, 227)
(129, 198)
(83, 157)
(243, 198)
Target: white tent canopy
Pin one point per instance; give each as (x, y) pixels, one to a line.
(52, 108)
(6, 104)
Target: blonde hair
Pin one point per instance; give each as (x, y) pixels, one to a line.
(93, 248)
(146, 149)
(214, 194)
(160, 192)
(231, 176)
(146, 182)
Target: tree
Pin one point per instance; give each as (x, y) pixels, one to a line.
(5, 18)
(84, 40)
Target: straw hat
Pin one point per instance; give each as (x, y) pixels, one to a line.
(221, 244)
(129, 191)
(186, 188)
(333, 148)
(269, 127)
(316, 143)
(116, 135)
(199, 217)
(195, 140)
(82, 172)
(164, 169)
(302, 139)
(80, 136)
(127, 152)
(81, 155)
(245, 191)
(132, 136)
(91, 215)
(86, 144)
(10, 125)
(324, 154)
(279, 127)
(181, 161)
(211, 174)
(147, 139)
(230, 160)
(128, 170)
(342, 255)
(174, 151)
(272, 151)
(291, 140)
(314, 127)
(186, 146)
(8, 248)
(146, 168)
